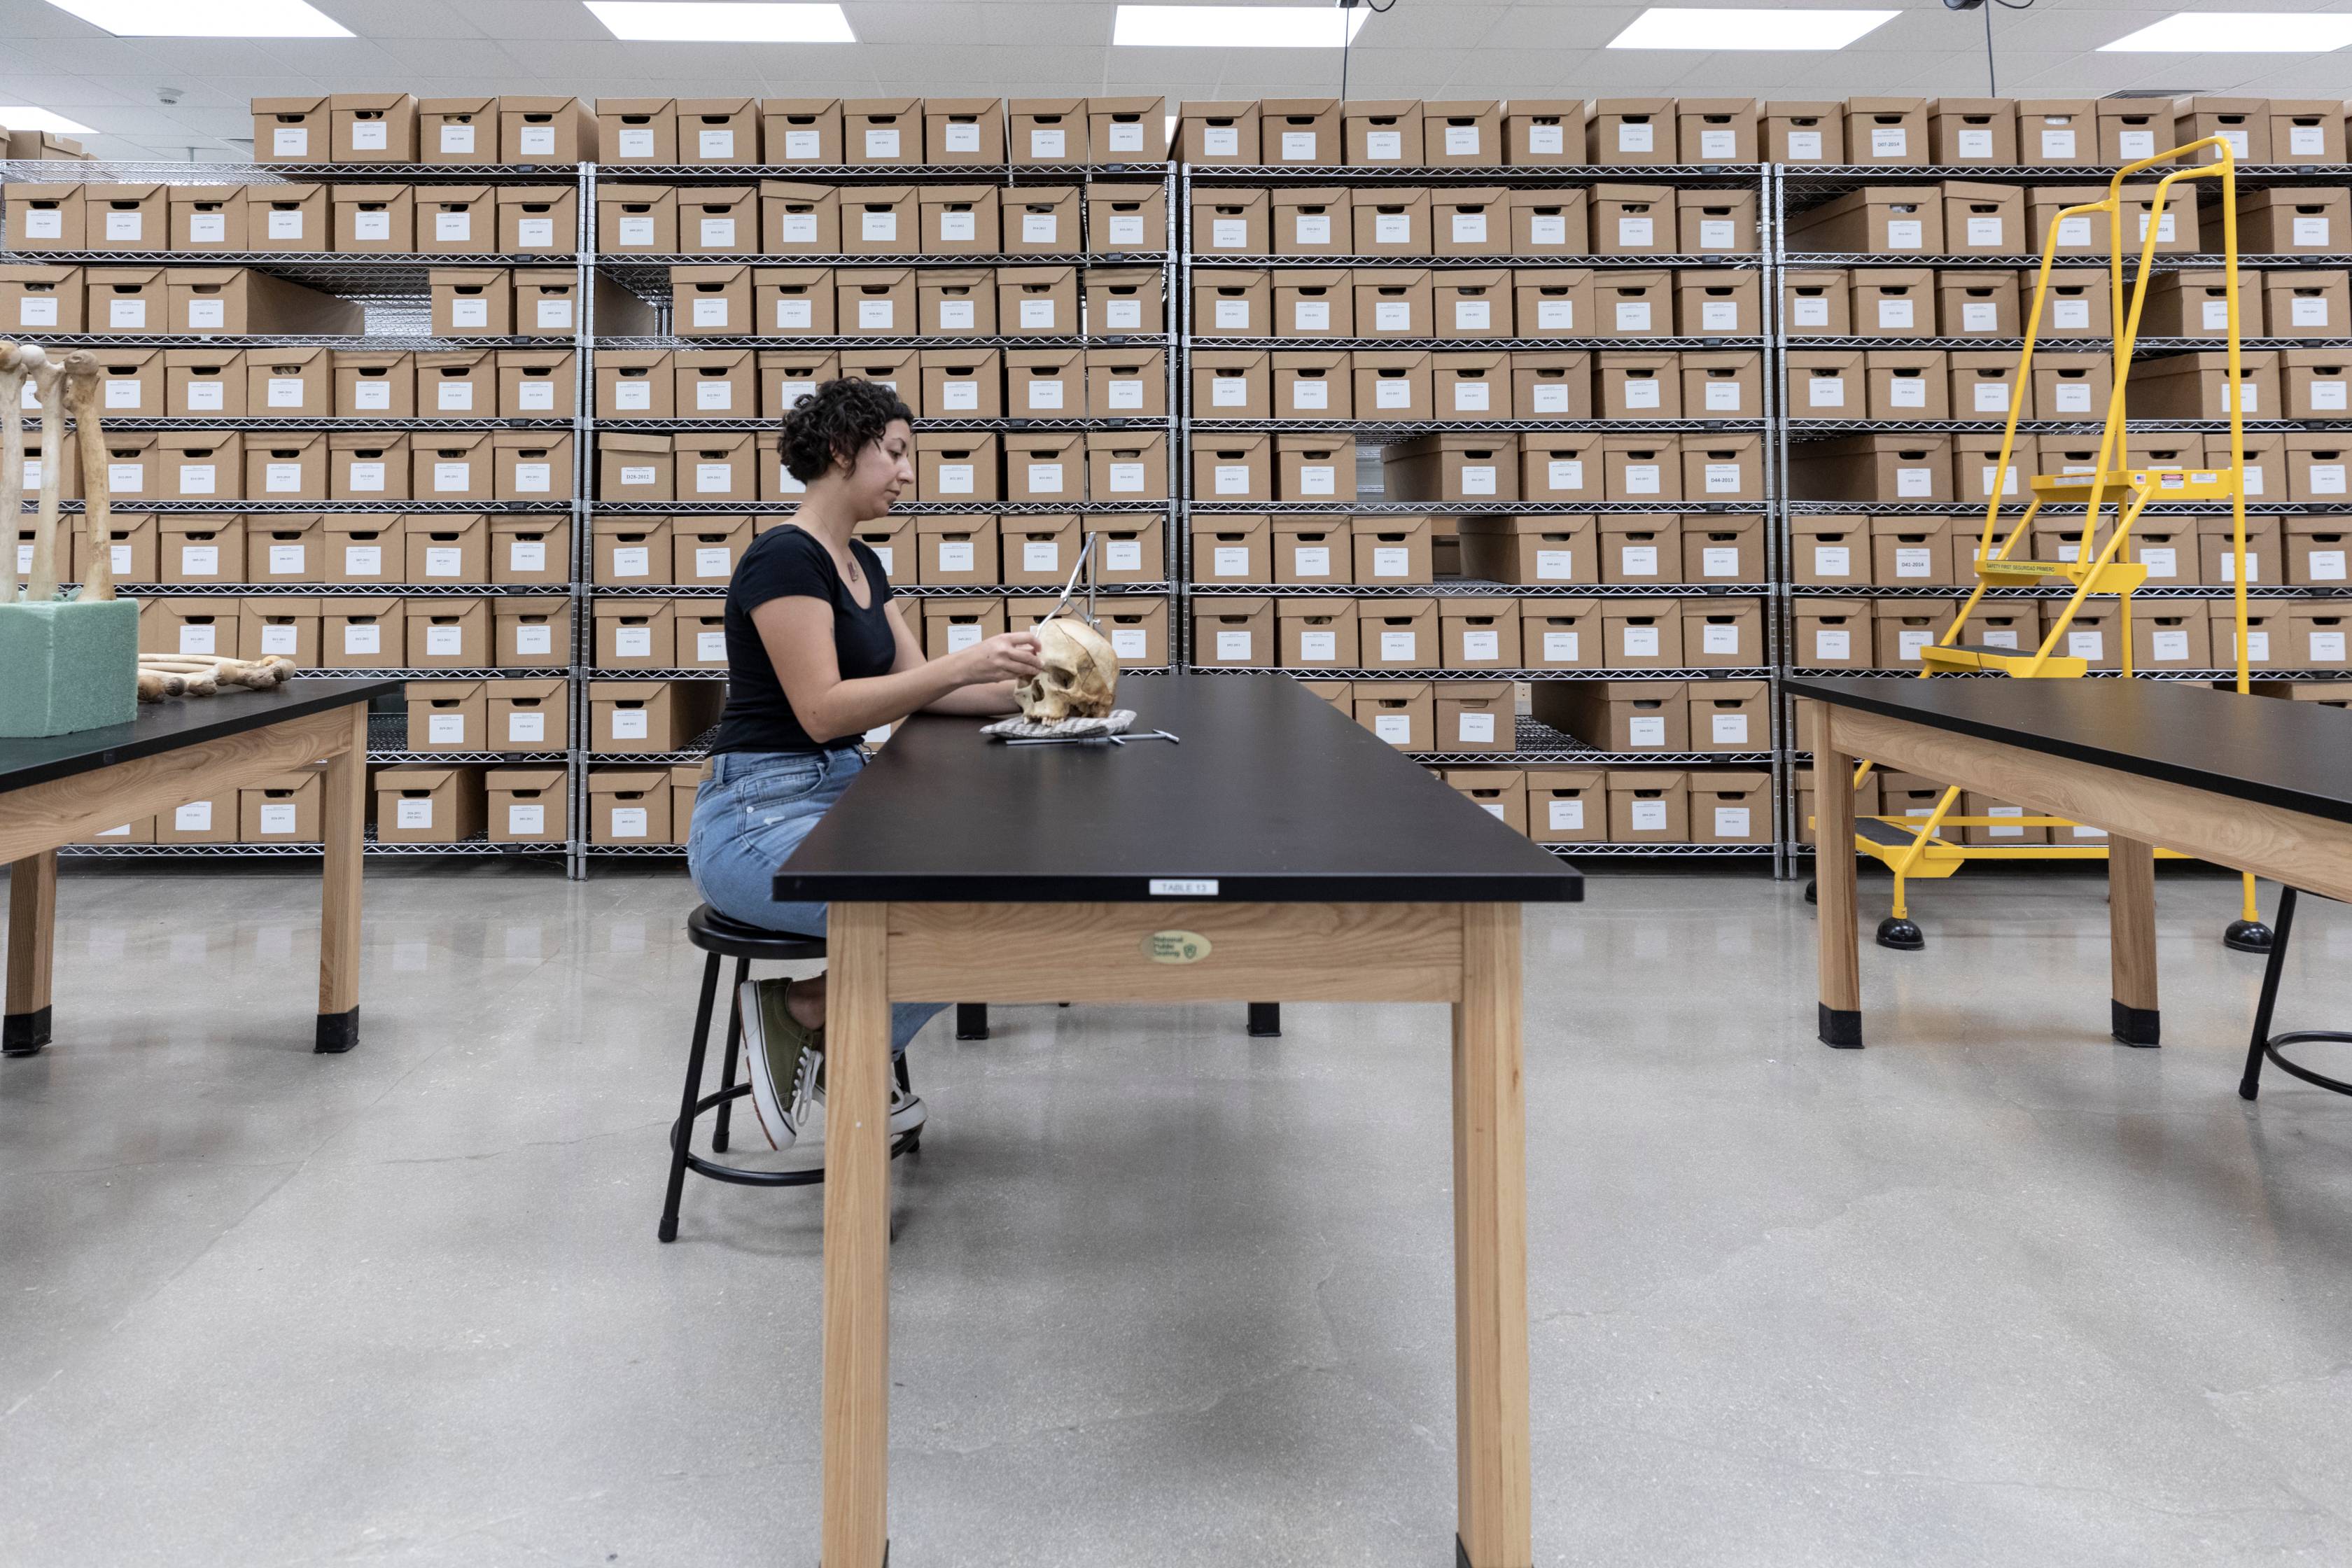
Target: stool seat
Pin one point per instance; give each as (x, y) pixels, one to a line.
(714, 932)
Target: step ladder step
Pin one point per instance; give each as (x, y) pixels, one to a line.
(2115, 577)
(1888, 842)
(2159, 484)
(2008, 661)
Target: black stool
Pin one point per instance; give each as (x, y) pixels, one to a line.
(2264, 1043)
(723, 938)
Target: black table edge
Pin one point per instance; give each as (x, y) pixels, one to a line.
(1853, 692)
(232, 712)
(1564, 886)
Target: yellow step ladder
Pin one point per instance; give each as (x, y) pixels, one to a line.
(1914, 846)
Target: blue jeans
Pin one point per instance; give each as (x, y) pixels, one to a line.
(749, 816)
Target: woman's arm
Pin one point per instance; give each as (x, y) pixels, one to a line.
(983, 701)
(797, 632)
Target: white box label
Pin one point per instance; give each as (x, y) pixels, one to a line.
(1904, 234)
(1728, 729)
(1393, 316)
(628, 821)
(534, 639)
(1980, 318)
(1383, 146)
(2091, 644)
(1832, 646)
(1715, 234)
(1298, 146)
(1719, 639)
(629, 724)
(1556, 314)
(1546, 139)
(1635, 136)
(633, 642)
(198, 639)
(1547, 229)
(1825, 390)
(1985, 234)
(1634, 233)
(1481, 648)
(277, 819)
(414, 814)
(1469, 228)
(289, 142)
(444, 642)
(1911, 562)
(1642, 642)
(1647, 817)
(718, 233)
(2075, 231)
(1391, 561)
(1832, 561)
(1310, 561)
(713, 313)
(526, 819)
(1039, 228)
(208, 228)
(1127, 231)
(285, 225)
(1731, 822)
(1318, 647)
(1638, 560)
(882, 144)
(1722, 478)
(1478, 728)
(1471, 397)
(955, 316)
(710, 647)
(1044, 144)
(203, 314)
(1993, 397)
(1564, 474)
(521, 726)
(200, 561)
(1391, 394)
(130, 313)
(1889, 142)
(1914, 483)
(2328, 647)
(1559, 648)
(371, 225)
(1632, 315)
(1129, 642)
(443, 561)
(1472, 316)
(2170, 648)
(457, 397)
(32, 312)
(1645, 730)
(1228, 233)
(882, 314)
(454, 476)
(197, 817)
(713, 479)
(1040, 556)
(1804, 146)
(1396, 729)
(1232, 647)
(361, 638)
(281, 478)
(445, 729)
(1229, 561)
(1233, 314)
(1037, 315)
(2072, 315)
(1564, 815)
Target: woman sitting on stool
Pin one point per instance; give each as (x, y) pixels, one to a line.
(815, 658)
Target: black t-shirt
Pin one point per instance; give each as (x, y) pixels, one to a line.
(784, 563)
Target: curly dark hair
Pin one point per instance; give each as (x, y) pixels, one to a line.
(835, 423)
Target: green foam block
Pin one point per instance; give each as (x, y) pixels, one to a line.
(66, 665)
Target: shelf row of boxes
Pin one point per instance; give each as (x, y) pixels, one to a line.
(223, 383)
(1588, 465)
(744, 466)
(521, 716)
(2166, 634)
(1899, 794)
(1408, 302)
(364, 632)
(2299, 466)
(1965, 218)
(351, 549)
(1408, 132)
(1623, 805)
(230, 466)
(406, 804)
(179, 301)
(1990, 302)
(1935, 385)
(358, 220)
(966, 550)
(780, 218)
(1115, 385)
(1636, 549)
(1059, 300)
(1402, 386)
(348, 128)
(1387, 221)
(1135, 623)
(2300, 550)
(1266, 631)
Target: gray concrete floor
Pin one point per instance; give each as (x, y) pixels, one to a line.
(1992, 1292)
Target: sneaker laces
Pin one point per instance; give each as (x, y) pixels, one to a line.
(804, 1087)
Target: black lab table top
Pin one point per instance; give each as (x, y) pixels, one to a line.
(2294, 755)
(1272, 796)
(176, 723)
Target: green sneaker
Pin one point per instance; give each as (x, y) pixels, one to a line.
(784, 1056)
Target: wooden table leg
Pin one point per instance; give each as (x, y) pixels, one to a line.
(32, 934)
(1839, 1021)
(2131, 941)
(342, 813)
(857, 1238)
(1490, 1248)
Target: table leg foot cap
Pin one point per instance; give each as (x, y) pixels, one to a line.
(2247, 936)
(1902, 935)
(1840, 1027)
(338, 1032)
(2133, 1026)
(23, 1034)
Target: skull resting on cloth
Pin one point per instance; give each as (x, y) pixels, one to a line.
(1080, 677)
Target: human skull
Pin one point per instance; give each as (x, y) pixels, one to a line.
(1080, 677)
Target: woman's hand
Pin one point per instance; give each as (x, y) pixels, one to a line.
(1012, 656)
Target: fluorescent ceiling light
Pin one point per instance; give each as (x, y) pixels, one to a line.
(24, 117)
(2237, 32)
(717, 22)
(1663, 28)
(206, 18)
(1237, 26)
